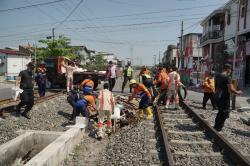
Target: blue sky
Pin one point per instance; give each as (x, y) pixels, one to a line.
(127, 28)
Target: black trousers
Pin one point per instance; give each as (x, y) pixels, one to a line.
(111, 83)
(221, 117)
(27, 101)
(41, 89)
(162, 97)
(208, 96)
(125, 81)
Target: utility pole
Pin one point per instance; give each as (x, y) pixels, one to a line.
(181, 47)
(154, 59)
(35, 54)
(159, 57)
(131, 53)
(53, 34)
(234, 81)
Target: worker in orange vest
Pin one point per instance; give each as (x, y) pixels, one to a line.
(105, 109)
(209, 89)
(162, 82)
(144, 105)
(144, 71)
(87, 85)
(83, 105)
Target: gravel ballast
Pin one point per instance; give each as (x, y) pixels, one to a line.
(51, 115)
(132, 145)
(234, 129)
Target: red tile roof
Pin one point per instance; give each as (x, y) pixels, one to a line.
(10, 52)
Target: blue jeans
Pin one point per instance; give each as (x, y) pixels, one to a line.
(144, 103)
(41, 89)
(81, 106)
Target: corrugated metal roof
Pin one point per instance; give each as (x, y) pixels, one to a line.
(10, 52)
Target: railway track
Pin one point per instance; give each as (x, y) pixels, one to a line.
(8, 105)
(190, 140)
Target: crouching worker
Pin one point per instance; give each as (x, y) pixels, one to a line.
(72, 99)
(105, 109)
(82, 105)
(144, 105)
(87, 85)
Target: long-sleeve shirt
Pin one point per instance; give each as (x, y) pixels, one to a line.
(140, 88)
(163, 80)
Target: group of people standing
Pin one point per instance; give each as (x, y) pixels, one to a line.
(217, 88)
(164, 85)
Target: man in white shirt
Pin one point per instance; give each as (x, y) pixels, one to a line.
(69, 75)
(111, 75)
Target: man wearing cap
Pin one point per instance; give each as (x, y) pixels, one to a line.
(223, 87)
(140, 90)
(26, 83)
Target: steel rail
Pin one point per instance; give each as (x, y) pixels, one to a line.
(169, 155)
(38, 100)
(220, 140)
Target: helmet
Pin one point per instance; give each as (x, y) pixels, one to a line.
(132, 82)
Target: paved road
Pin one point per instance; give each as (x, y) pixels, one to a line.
(5, 90)
(5, 93)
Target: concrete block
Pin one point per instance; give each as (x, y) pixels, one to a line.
(28, 142)
(56, 152)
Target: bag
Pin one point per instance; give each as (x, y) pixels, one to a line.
(15, 91)
(117, 113)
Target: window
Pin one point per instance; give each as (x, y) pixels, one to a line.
(243, 11)
(228, 19)
(243, 8)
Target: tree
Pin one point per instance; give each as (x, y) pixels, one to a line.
(96, 63)
(56, 47)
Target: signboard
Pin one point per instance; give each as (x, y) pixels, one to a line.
(248, 48)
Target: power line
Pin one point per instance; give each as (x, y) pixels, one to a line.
(140, 24)
(31, 6)
(72, 11)
(155, 12)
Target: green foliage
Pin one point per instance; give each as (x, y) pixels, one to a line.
(96, 63)
(58, 47)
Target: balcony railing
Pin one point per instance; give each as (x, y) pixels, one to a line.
(212, 35)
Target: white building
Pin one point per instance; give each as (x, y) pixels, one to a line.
(170, 56)
(192, 51)
(12, 62)
(237, 21)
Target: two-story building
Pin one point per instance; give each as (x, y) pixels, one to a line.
(191, 56)
(170, 56)
(212, 40)
(242, 68)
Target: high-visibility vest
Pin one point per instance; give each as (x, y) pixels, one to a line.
(129, 71)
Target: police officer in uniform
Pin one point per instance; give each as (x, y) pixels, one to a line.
(26, 83)
(128, 75)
